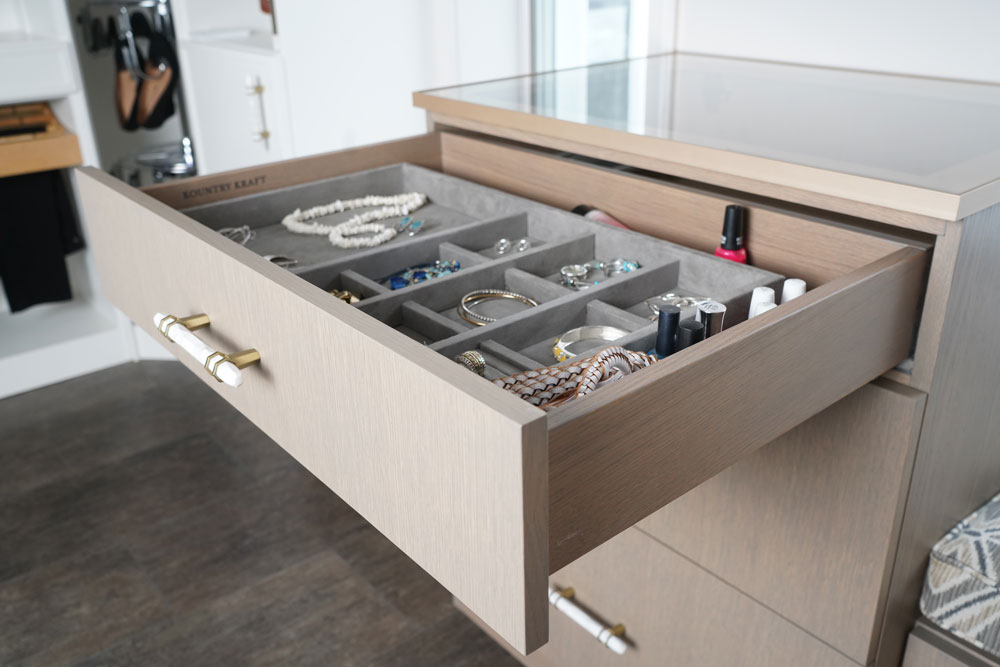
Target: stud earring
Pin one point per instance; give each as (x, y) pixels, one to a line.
(501, 246)
(523, 244)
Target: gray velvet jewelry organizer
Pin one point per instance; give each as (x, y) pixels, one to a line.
(463, 221)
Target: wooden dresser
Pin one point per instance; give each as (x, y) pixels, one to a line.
(768, 498)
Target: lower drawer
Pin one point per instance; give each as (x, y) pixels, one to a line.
(812, 516)
(674, 613)
(486, 492)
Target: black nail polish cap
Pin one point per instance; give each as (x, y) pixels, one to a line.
(732, 227)
(689, 332)
(667, 322)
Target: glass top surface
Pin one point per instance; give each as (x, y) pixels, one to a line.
(935, 134)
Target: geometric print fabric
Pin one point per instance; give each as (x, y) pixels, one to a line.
(962, 587)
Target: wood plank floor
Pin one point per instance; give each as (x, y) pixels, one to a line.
(145, 522)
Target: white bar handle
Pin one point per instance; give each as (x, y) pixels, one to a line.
(562, 601)
(223, 367)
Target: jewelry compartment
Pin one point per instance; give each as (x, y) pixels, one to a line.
(523, 250)
(483, 490)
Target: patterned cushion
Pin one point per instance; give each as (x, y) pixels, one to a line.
(962, 588)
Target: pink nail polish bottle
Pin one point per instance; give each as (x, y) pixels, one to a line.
(731, 247)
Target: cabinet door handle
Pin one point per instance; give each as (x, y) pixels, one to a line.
(227, 368)
(610, 637)
(255, 89)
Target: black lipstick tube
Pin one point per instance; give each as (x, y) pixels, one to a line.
(689, 332)
(667, 321)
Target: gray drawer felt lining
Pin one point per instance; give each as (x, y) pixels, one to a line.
(463, 221)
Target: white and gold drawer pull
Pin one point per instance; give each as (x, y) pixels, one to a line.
(610, 637)
(223, 367)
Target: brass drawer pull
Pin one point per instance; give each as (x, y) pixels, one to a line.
(227, 368)
(610, 637)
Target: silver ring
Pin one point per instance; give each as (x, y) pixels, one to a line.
(620, 265)
(473, 360)
(573, 271)
(672, 299)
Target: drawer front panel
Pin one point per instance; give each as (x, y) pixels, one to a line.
(812, 516)
(627, 451)
(450, 468)
(674, 613)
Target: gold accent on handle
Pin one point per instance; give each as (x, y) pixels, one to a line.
(257, 89)
(567, 592)
(191, 323)
(618, 630)
(194, 322)
(239, 359)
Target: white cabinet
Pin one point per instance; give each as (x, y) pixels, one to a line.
(238, 106)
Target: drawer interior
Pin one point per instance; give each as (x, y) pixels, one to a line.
(463, 222)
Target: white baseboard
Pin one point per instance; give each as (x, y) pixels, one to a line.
(62, 361)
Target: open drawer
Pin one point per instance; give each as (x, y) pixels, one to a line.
(486, 492)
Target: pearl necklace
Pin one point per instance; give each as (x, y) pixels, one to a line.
(341, 234)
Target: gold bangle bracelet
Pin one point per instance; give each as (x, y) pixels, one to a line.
(476, 297)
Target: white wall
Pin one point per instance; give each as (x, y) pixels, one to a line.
(202, 16)
(956, 39)
(351, 67)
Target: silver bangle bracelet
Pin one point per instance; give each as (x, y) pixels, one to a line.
(561, 349)
(476, 297)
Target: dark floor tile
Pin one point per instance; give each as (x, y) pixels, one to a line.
(27, 463)
(75, 395)
(233, 546)
(247, 444)
(282, 519)
(89, 423)
(317, 613)
(454, 641)
(165, 404)
(68, 609)
(83, 395)
(143, 491)
(401, 581)
(41, 526)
